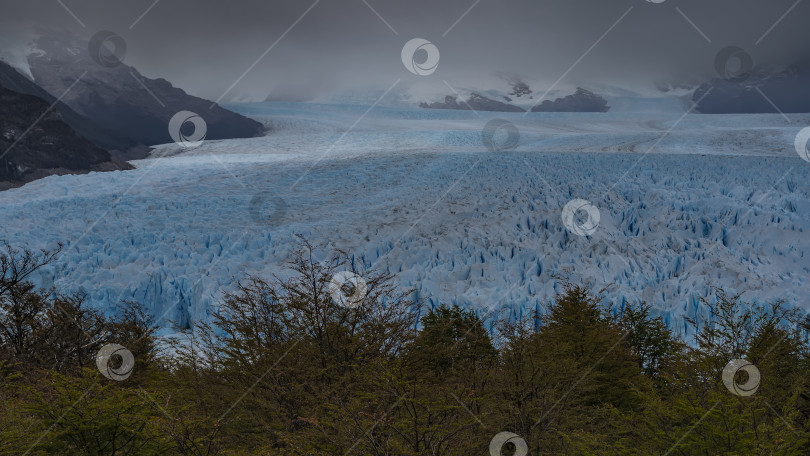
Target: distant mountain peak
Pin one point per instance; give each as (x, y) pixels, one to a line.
(582, 100)
(476, 102)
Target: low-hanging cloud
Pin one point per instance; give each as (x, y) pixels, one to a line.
(206, 46)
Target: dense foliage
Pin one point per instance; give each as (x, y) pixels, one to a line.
(284, 370)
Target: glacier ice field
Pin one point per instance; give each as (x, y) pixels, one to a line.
(687, 203)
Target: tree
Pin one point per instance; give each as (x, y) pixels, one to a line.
(593, 385)
(16, 265)
(649, 339)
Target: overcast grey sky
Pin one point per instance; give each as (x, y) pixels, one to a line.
(205, 46)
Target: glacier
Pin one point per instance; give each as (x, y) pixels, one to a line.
(688, 203)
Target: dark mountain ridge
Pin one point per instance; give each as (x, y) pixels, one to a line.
(475, 102)
(119, 99)
(787, 88)
(35, 142)
(582, 100)
(111, 141)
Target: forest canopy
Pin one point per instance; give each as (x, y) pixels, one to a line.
(305, 365)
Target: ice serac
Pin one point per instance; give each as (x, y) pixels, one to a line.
(35, 142)
(720, 201)
(122, 100)
(582, 100)
(765, 90)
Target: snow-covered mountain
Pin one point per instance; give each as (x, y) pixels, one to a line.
(721, 201)
(504, 93)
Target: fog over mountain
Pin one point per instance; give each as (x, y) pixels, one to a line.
(309, 48)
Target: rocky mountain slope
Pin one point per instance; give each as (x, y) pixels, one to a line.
(12, 79)
(35, 142)
(119, 99)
